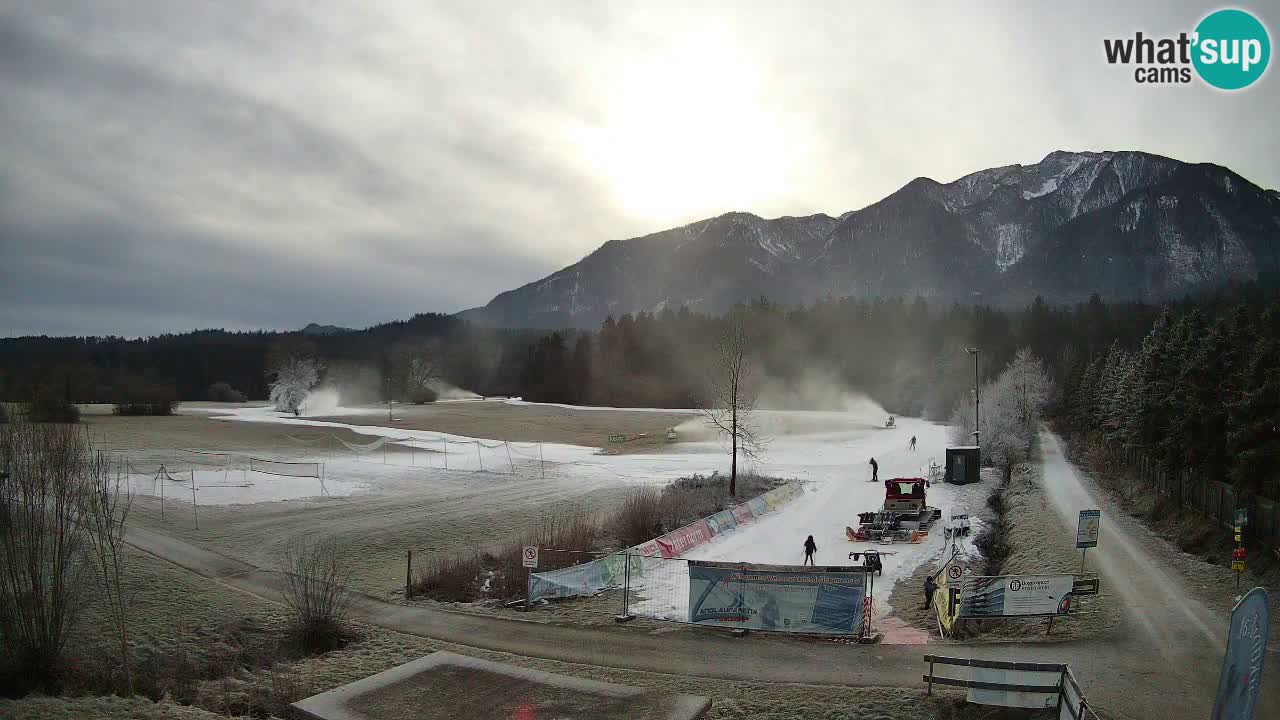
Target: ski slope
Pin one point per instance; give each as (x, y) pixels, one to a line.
(836, 466)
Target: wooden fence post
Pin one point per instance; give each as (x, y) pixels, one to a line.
(408, 576)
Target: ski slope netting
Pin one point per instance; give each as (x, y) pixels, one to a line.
(658, 557)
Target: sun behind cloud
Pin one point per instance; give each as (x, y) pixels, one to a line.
(688, 131)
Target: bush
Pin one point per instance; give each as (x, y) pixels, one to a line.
(501, 574)
(136, 396)
(316, 589)
(48, 406)
(223, 392)
(637, 519)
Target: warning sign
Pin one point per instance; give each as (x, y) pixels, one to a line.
(531, 556)
(954, 572)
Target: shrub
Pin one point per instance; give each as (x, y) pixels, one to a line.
(223, 392)
(316, 590)
(637, 519)
(136, 396)
(501, 574)
(450, 578)
(48, 406)
(46, 485)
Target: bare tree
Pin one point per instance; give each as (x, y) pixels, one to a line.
(107, 511)
(733, 394)
(44, 488)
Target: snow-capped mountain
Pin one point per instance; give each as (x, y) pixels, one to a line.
(1126, 225)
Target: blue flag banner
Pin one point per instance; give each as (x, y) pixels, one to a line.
(1246, 652)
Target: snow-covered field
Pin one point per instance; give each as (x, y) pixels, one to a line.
(829, 451)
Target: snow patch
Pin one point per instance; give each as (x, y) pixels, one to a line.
(1011, 245)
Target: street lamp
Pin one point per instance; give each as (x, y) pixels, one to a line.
(977, 438)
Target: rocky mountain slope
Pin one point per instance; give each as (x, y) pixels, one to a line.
(1123, 224)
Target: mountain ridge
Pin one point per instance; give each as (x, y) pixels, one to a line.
(1125, 224)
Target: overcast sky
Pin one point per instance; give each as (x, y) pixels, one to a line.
(176, 164)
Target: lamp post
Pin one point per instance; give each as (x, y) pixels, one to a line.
(977, 437)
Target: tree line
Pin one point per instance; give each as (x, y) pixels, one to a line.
(1200, 391)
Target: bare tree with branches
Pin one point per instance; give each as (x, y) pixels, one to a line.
(108, 510)
(43, 492)
(732, 395)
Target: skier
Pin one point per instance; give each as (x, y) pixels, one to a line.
(913, 443)
(930, 586)
(810, 547)
(875, 470)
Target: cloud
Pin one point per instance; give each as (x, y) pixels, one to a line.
(168, 165)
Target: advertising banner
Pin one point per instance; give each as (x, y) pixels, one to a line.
(824, 601)
(609, 571)
(722, 522)
(1015, 595)
(1246, 652)
(678, 541)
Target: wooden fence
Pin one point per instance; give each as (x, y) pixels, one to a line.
(1211, 498)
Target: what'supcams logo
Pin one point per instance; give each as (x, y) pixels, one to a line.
(1229, 50)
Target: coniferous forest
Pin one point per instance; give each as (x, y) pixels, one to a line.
(1194, 383)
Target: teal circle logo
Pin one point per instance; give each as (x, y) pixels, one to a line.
(1232, 49)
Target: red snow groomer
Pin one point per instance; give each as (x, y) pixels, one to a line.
(904, 517)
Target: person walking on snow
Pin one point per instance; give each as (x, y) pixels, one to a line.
(913, 443)
(930, 586)
(875, 470)
(810, 547)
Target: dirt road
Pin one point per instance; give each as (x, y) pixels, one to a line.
(1175, 631)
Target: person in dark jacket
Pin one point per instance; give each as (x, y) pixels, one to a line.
(810, 547)
(913, 443)
(930, 587)
(875, 470)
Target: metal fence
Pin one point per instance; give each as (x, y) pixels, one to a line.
(1211, 498)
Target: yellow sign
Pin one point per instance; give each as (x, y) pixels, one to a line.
(1237, 566)
(948, 608)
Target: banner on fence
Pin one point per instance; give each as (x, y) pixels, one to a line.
(771, 597)
(1015, 595)
(575, 581)
(675, 543)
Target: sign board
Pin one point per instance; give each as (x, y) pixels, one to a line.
(530, 556)
(826, 601)
(617, 438)
(1087, 530)
(1015, 595)
(1237, 566)
(954, 572)
(1241, 517)
(1085, 587)
(1243, 663)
